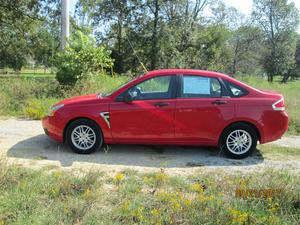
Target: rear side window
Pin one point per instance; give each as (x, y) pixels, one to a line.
(235, 90)
(200, 87)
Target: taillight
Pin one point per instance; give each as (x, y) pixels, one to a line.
(279, 105)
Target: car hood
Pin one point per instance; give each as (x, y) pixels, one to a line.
(84, 99)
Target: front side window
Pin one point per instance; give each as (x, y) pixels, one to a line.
(200, 87)
(154, 88)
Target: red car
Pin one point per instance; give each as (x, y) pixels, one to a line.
(172, 107)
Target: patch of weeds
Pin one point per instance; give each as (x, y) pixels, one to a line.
(194, 164)
(40, 157)
(59, 197)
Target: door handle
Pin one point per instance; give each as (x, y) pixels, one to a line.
(219, 102)
(161, 104)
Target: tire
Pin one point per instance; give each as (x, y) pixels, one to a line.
(238, 141)
(84, 136)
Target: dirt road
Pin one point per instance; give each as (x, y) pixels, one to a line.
(23, 142)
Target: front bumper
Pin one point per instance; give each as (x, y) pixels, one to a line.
(46, 131)
(52, 129)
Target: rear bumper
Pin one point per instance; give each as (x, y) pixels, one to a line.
(275, 125)
(52, 129)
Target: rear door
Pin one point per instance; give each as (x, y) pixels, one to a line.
(202, 109)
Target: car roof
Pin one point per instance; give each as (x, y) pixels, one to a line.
(185, 71)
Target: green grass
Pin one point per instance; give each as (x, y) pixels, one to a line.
(276, 152)
(41, 75)
(27, 72)
(55, 197)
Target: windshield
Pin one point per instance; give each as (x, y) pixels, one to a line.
(107, 94)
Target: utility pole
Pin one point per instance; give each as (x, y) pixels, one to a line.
(65, 23)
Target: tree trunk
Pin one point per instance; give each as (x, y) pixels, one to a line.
(119, 44)
(273, 53)
(154, 36)
(286, 76)
(234, 65)
(270, 77)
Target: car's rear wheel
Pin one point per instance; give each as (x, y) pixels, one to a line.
(84, 136)
(239, 141)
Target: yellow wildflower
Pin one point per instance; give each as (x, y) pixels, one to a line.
(243, 183)
(119, 177)
(137, 213)
(155, 212)
(87, 194)
(238, 217)
(161, 178)
(125, 207)
(66, 210)
(54, 191)
(187, 202)
(57, 173)
(197, 188)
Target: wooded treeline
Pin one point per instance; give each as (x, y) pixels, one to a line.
(199, 34)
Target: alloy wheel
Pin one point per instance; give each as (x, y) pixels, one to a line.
(83, 137)
(239, 142)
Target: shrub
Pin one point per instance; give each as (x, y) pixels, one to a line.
(81, 57)
(38, 108)
(17, 95)
(95, 83)
(31, 97)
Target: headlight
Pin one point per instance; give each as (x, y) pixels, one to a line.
(54, 108)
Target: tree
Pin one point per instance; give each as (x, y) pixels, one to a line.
(115, 15)
(246, 46)
(28, 29)
(79, 58)
(294, 72)
(168, 34)
(148, 25)
(17, 19)
(279, 20)
(154, 7)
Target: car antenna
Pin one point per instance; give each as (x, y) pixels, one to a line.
(134, 52)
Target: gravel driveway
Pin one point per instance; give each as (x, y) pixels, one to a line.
(23, 142)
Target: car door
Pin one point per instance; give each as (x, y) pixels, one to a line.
(150, 116)
(201, 109)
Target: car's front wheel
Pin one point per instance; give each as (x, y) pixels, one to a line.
(84, 136)
(239, 141)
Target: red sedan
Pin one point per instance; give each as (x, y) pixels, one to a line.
(172, 107)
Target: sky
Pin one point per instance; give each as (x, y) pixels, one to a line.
(244, 6)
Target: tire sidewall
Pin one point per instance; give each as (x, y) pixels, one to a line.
(229, 130)
(93, 126)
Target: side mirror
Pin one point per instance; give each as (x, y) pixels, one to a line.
(128, 97)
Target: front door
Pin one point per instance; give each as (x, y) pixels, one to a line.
(149, 116)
